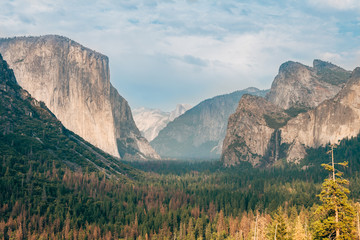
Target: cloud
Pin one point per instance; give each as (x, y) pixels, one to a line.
(337, 4)
(195, 61)
(196, 47)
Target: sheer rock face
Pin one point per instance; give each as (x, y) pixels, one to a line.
(248, 133)
(128, 137)
(264, 130)
(332, 121)
(74, 83)
(298, 85)
(25, 120)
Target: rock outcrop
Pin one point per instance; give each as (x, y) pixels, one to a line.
(130, 143)
(200, 131)
(330, 122)
(291, 119)
(250, 130)
(300, 86)
(74, 83)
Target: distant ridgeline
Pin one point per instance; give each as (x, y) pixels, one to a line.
(307, 107)
(151, 121)
(198, 134)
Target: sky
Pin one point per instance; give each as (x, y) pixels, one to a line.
(164, 52)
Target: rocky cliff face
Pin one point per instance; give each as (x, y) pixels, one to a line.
(74, 82)
(130, 143)
(300, 86)
(151, 121)
(331, 121)
(250, 130)
(200, 131)
(29, 132)
(292, 118)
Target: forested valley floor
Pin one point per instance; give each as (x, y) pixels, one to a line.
(44, 199)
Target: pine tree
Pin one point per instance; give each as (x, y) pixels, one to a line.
(208, 232)
(335, 217)
(299, 232)
(221, 227)
(190, 230)
(279, 230)
(357, 206)
(199, 228)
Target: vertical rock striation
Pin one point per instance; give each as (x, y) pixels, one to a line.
(74, 83)
(30, 131)
(129, 141)
(330, 122)
(303, 109)
(300, 86)
(250, 129)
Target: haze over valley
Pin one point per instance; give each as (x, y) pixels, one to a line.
(185, 120)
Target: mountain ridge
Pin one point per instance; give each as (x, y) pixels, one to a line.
(151, 121)
(300, 86)
(296, 91)
(199, 132)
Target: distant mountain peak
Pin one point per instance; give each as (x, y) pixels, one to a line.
(151, 121)
(298, 85)
(179, 110)
(251, 89)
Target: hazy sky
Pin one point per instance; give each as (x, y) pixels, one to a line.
(167, 52)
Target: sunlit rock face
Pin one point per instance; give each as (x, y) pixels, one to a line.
(306, 107)
(297, 85)
(249, 132)
(331, 121)
(74, 83)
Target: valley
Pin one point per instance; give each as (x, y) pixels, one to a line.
(244, 165)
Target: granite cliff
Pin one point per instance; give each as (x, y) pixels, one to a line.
(30, 134)
(261, 131)
(74, 83)
(250, 130)
(200, 131)
(300, 86)
(330, 122)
